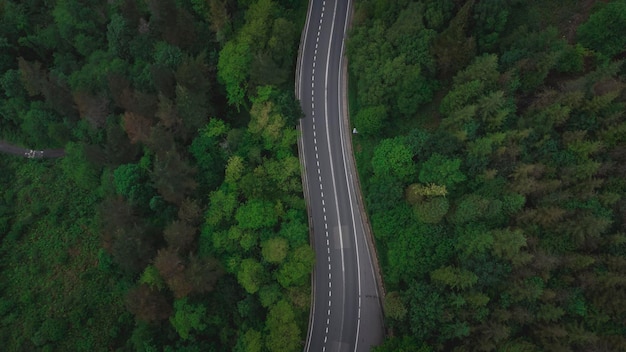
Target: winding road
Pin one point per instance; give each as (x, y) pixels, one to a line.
(346, 313)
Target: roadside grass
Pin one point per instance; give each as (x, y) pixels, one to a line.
(363, 146)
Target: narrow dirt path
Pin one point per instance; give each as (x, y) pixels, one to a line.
(8, 148)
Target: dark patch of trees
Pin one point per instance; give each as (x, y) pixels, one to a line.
(176, 220)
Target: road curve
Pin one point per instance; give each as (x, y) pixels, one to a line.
(30, 153)
(346, 314)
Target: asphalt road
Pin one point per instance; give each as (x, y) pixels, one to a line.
(346, 314)
(30, 153)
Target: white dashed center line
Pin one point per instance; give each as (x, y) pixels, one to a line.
(319, 172)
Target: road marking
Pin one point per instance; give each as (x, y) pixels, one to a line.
(348, 179)
(326, 226)
(322, 199)
(315, 142)
(322, 194)
(318, 165)
(328, 266)
(324, 209)
(299, 92)
(324, 217)
(315, 148)
(332, 29)
(314, 134)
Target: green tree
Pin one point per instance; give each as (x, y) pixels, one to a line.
(251, 275)
(508, 243)
(369, 121)
(173, 177)
(233, 70)
(296, 269)
(604, 30)
(394, 306)
(432, 210)
(81, 171)
(222, 205)
(455, 278)
(188, 317)
(250, 341)
(283, 332)
(417, 192)
(491, 17)
(118, 36)
(256, 214)
(234, 169)
(473, 240)
(274, 250)
(152, 278)
(453, 48)
(440, 170)
(131, 183)
(393, 157)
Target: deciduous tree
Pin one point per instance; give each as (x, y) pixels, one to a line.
(148, 304)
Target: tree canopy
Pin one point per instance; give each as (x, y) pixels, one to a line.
(493, 184)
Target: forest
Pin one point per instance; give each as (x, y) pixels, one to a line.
(492, 152)
(176, 220)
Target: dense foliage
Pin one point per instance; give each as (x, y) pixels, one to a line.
(176, 220)
(496, 186)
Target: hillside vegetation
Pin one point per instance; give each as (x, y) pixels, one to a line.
(491, 147)
(176, 220)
